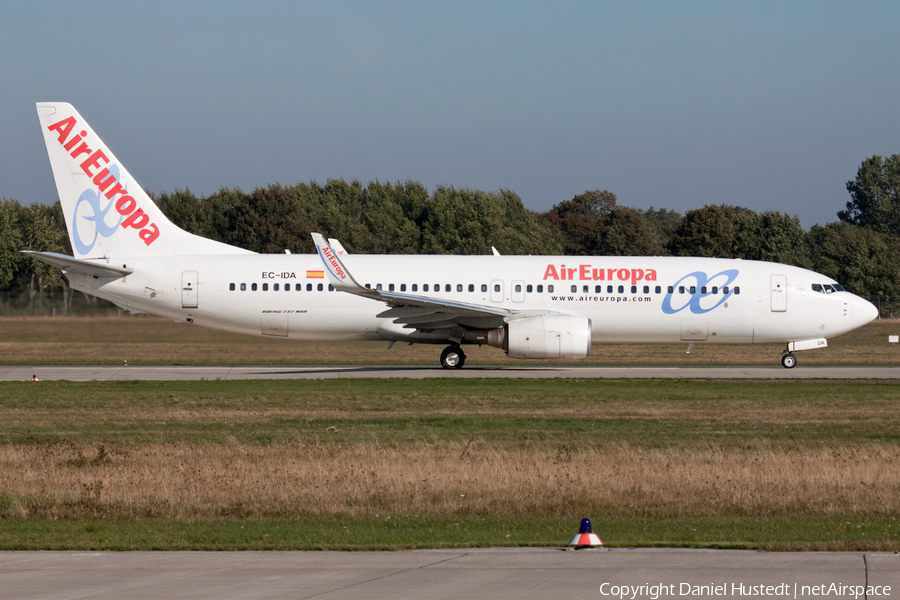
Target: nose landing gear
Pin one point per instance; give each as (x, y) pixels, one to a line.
(453, 357)
(788, 360)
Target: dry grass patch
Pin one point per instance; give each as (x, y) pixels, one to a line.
(152, 340)
(478, 478)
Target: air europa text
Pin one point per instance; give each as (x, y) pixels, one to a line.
(589, 273)
(105, 181)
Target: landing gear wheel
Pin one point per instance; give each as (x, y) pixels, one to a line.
(788, 361)
(453, 358)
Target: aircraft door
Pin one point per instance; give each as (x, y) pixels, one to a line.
(496, 291)
(518, 291)
(779, 293)
(189, 289)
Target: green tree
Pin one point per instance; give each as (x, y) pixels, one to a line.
(664, 223)
(865, 262)
(875, 195)
(10, 241)
(716, 230)
(462, 221)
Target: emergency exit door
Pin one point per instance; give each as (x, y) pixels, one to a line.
(189, 289)
(779, 293)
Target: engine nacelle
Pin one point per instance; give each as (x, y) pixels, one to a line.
(551, 336)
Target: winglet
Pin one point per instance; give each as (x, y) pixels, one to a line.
(338, 276)
(337, 247)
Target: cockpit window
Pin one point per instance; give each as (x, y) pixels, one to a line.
(827, 288)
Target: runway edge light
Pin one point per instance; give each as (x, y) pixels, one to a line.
(585, 537)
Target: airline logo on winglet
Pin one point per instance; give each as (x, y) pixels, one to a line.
(107, 182)
(335, 265)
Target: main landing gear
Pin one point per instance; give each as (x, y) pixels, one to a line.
(788, 360)
(453, 357)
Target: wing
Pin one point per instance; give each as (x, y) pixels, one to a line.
(417, 312)
(92, 267)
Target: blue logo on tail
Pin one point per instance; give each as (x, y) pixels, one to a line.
(97, 216)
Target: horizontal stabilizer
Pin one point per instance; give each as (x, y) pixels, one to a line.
(70, 264)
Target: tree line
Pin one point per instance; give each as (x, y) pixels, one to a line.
(861, 249)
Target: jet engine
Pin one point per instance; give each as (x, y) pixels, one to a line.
(546, 336)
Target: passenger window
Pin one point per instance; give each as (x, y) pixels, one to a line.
(549, 289)
(634, 289)
(308, 287)
(693, 289)
(483, 287)
(598, 289)
(447, 287)
(621, 289)
(320, 287)
(425, 287)
(518, 287)
(658, 290)
(265, 287)
(402, 287)
(437, 287)
(574, 288)
(715, 290)
(609, 289)
(274, 287)
(231, 286)
(737, 290)
(680, 289)
(496, 287)
(528, 288)
(725, 290)
(671, 289)
(243, 287)
(703, 290)
(378, 286)
(471, 287)
(415, 287)
(459, 287)
(586, 289)
(646, 289)
(252, 287)
(390, 287)
(368, 286)
(540, 289)
(330, 288)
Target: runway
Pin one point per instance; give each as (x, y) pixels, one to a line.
(191, 373)
(538, 573)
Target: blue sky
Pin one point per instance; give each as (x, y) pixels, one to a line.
(768, 105)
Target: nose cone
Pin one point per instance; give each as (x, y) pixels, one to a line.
(864, 312)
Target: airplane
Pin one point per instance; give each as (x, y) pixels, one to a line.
(532, 307)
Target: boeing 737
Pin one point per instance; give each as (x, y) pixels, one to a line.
(532, 307)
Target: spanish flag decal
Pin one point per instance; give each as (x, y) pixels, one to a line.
(315, 274)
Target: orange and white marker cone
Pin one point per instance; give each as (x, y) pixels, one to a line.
(34, 378)
(585, 538)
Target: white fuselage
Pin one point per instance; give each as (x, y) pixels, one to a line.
(628, 299)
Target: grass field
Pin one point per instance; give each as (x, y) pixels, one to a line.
(151, 340)
(439, 463)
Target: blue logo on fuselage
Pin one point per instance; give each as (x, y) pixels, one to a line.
(697, 301)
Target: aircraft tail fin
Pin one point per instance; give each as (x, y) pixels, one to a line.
(108, 215)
